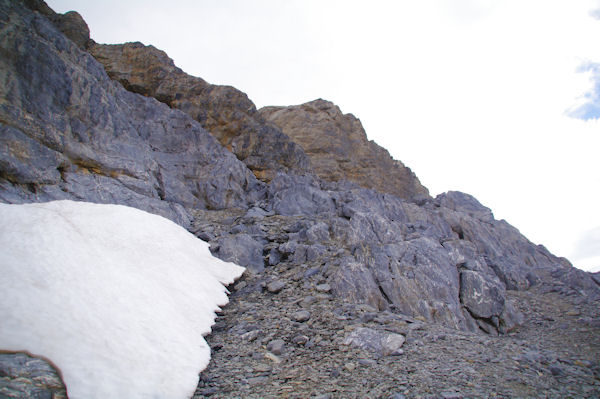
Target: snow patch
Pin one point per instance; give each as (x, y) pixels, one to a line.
(117, 298)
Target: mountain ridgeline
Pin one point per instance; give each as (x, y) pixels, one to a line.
(299, 188)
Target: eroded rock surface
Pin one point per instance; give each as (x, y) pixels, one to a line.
(224, 111)
(339, 149)
(69, 132)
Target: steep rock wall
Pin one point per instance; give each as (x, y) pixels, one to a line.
(70, 132)
(224, 111)
(339, 149)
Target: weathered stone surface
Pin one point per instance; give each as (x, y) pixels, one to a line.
(71, 24)
(277, 346)
(240, 249)
(298, 195)
(27, 377)
(69, 132)
(224, 111)
(275, 286)
(381, 343)
(483, 297)
(339, 149)
(301, 316)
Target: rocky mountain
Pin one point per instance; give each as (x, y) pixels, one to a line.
(338, 148)
(344, 246)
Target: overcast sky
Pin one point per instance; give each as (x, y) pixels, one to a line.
(499, 99)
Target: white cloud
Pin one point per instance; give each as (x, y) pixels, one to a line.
(586, 253)
(589, 107)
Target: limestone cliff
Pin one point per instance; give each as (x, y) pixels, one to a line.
(339, 149)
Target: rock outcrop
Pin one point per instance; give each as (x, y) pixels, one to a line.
(339, 149)
(70, 132)
(224, 111)
(362, 228)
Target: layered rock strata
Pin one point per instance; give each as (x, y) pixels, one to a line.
(70, 132)
(339, 149)
(224, 111)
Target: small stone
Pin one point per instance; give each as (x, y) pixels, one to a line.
(257, 380)
(251, 335)
(209, 391)
(366, 362)
(323, 287)
(555, 370)
(307, 301)
(311, 272)
(274, 257)
(275, 359)
(262, 368)
(275, 286)
(300, 339)
(350, 366)
(240, 285)
(301, 316)
(368, 317)
(450, 395)
(276, 346)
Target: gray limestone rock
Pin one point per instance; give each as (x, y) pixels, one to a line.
(482, 295)
(277, 346)
(68, 131)
(298, 195)
(241, 249)
(301, 316)
(27, 377)
(383, 344)
(275, 286)
(227, 113)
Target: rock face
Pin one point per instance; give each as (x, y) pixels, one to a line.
(362, 229)
(224, 111)
(69, 132)
(339, 150)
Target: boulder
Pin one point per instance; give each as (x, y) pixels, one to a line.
(240, 249)
(482, 295)
(377, 342)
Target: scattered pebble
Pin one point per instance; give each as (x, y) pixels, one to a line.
(323, 287)
(276, 346)
(301, 316)
(275, 287)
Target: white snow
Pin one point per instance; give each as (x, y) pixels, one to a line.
(117, 298)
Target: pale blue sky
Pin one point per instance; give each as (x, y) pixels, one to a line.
(473, 95)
